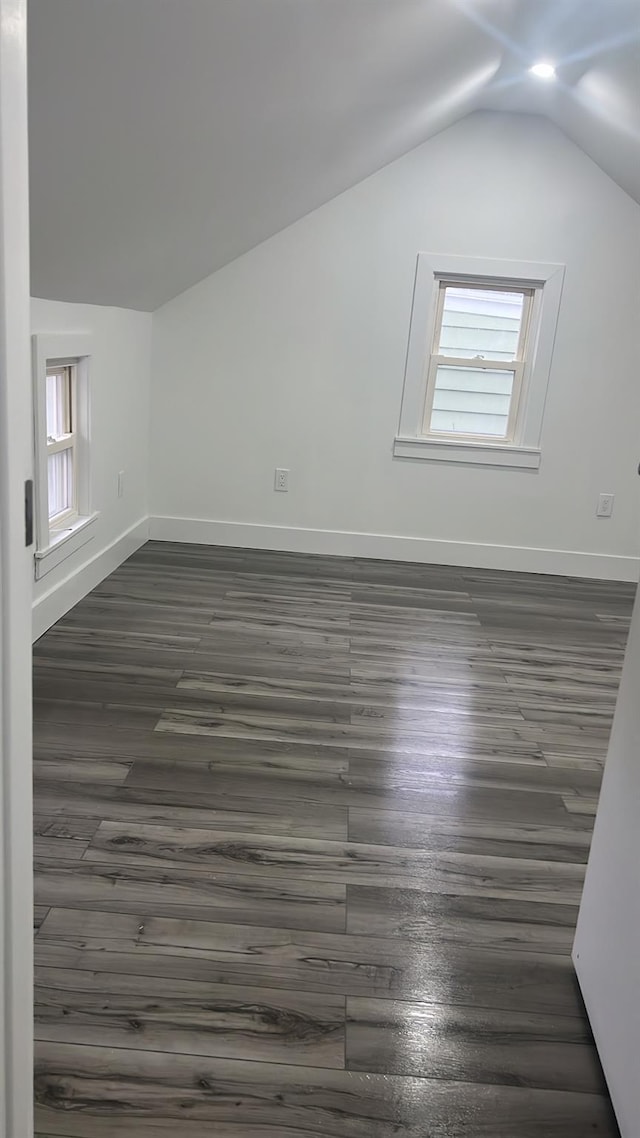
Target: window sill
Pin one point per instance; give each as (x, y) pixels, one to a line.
(64, 543)
(478, 454)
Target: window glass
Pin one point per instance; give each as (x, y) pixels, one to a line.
(60, 480)
(58, 403)
(471, 401)
(480, 322)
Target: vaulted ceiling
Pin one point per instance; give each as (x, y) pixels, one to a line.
(169, 136)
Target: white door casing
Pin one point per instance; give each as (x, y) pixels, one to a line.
(16, 583)
(606, 952)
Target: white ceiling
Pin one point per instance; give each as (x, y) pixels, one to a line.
(170, 136)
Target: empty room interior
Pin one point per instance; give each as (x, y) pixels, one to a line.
(336, 533)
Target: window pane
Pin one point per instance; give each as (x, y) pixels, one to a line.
(58, 402)
(471, 401)
(481, 322)
(60, 472)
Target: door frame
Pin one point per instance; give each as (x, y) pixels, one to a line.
(607, 943)
(16, 585)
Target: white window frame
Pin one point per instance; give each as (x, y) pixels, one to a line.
(522, 447)
(516, 365)
(59, 538)
(67, 441)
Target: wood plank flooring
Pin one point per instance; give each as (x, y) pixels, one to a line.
(310, 839)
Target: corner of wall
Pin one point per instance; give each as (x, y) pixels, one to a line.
(52, 605)
(120, 412)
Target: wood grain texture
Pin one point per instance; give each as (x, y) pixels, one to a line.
(262, 1024)
(522, 1049)
(340, 862)
(287, 958)
(310, 839)
(114, 1091)
(183, 807)
(192, 892)
(480, 922)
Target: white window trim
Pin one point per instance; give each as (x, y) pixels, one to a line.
(66, 442)
(524, 451)
(55, 543)
(517, 366)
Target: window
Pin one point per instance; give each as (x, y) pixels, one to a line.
(477, 362)
(61, 444)
(64, 519)
(477, 393)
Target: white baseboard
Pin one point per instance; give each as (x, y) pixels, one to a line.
(53, 604)
(560, 562)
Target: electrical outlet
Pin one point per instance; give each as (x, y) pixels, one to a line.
(281, 480)
(121, 483)
(605, 506)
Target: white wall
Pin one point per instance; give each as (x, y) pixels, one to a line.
(606, 951)
(293, 356)
(119, 394)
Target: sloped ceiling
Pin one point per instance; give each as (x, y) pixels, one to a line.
(169, 136)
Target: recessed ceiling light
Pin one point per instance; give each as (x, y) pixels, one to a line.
(543, 70)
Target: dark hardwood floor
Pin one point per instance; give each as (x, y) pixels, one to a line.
(310, 840)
